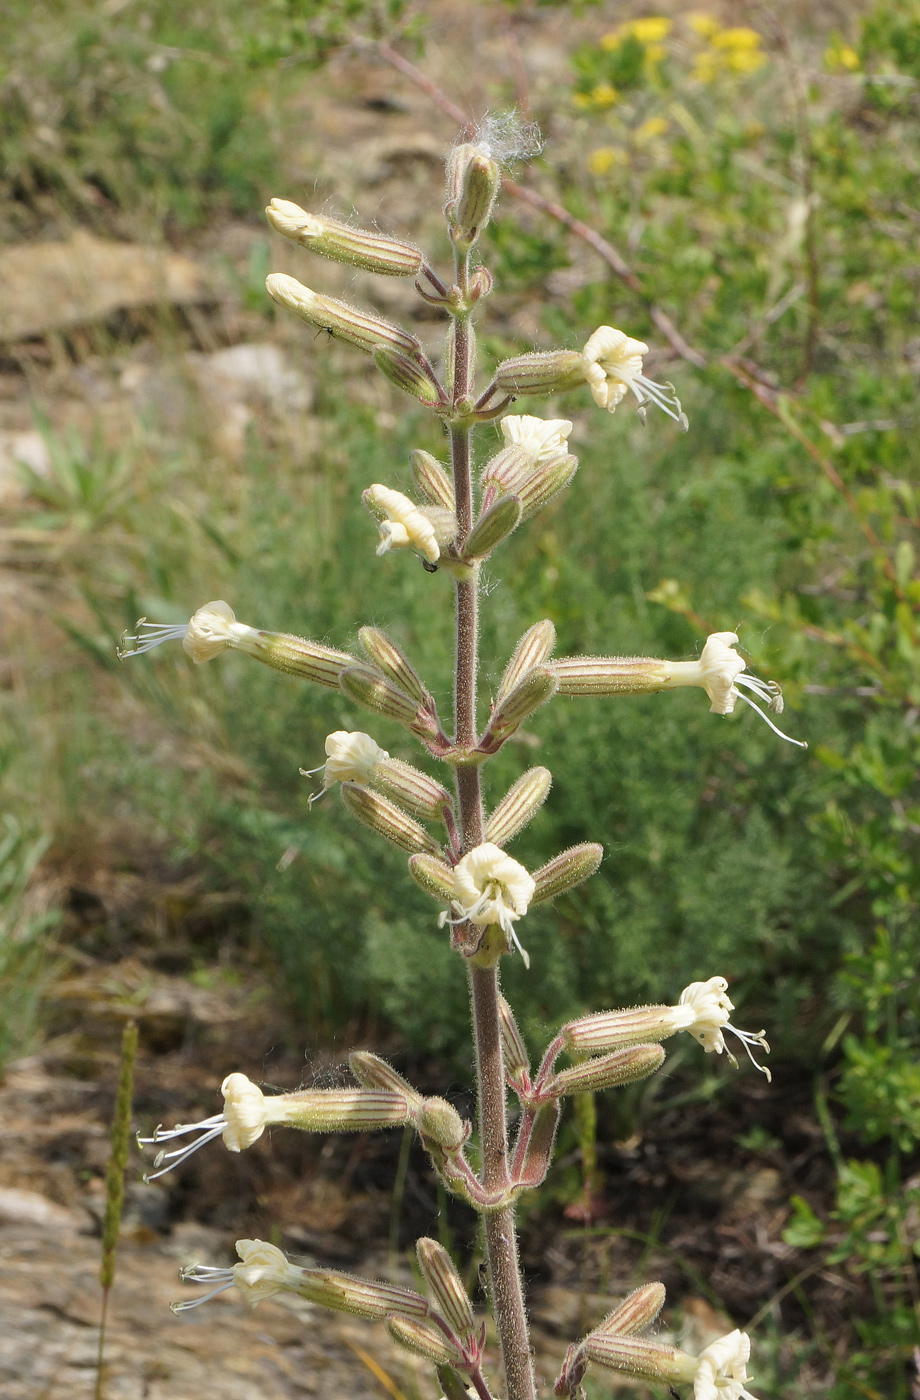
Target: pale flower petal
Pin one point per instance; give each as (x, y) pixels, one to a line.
(712, 1007)
(719, 673)
(491, 887)
(545, 437)
(612, 363)
(722, 1369)
(405, 525)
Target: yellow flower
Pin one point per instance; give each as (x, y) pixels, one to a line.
(842, 56)
(704, 25)
(604, 95)
(736, 39)
(705, 68)
(602, 161)
(654, 126)
(611, 41)
(745, 61)
(651, 30)
(582, 100)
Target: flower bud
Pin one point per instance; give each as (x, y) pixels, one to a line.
(514, 1051)
(432, 480)
(520, 803)
(532, 650)
(545, 484)
(368, 687)
(388, 658)
(610, 1030)
(373, 1073)
(440, 1121)
(434, 876)
(539, 1151)
(356, 246)
(481, 284)
(509, 468)
(424, 1339)
(610, 675)
(445, 1285)
(473, 179)
(343, 321)
(541, 372)
(574, 1367)
(345, 1110)
(639, 1357)
(637, 1311)
(567, 870)
(538, 686)
(347, 1293)
(411, 788)
(407, 374)
(622, 1067)
(387, 820)
(495, 525)
(295, 656)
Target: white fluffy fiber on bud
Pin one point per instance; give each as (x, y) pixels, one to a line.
(402, 524)
(612, 364)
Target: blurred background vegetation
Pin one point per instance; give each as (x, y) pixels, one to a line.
(757, 170)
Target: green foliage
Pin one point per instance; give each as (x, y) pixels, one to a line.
(24, 938)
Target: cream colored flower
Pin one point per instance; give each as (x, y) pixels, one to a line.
(491, 888)
(263, 1272)
(712, 1007)
(350, 758)
(245, 1111)
(545, 438)
(612, 363)
(404, 525)
(246, 1114)
(719, 673)
(722, 1369)
(208, 632)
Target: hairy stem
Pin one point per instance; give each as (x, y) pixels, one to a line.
(500, 1237)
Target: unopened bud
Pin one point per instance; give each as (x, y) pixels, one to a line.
(473, 179)
(541, 372)
(422, 1338)
(610, 1030)
(432, 480)
(411, 788)
(387, 820)
(373, 1073)
(448, 1293)
(532, 650)
(539, 1151)
(538, 686)
(434, 876)
(610, 675)
(356, 246)
(343, 321)
(545, 484)
(514, 1051)
(636, 1356)
(574, 1367)
(494, 526)
(388, 658)
(345, 1110)
(606, 1072)
(368, 687)
(520, 803)
(440, 1121)
(407, 374)
(347, 1293)
(636, 1312)
(296, 656)
(481, 284)
(567, 870)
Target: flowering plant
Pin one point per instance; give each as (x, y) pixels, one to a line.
(484, 893)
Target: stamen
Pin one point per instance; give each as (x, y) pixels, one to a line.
(800, 743)
(749, 1038)
(149, 635)
(197, 1302)
(664, 396)
(768, 691)
(179, 1130)
(182, 1153)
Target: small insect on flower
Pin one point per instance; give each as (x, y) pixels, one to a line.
(491, 888)
(612, 363)
(712, 1006)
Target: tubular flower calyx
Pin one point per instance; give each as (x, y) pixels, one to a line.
(612, 363)
(491, 887)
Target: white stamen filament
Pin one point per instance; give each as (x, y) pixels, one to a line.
(150, 635)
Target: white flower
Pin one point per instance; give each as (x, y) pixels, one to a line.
(719, 673)
(545, 438)
(350, 758)
(263, 1272)
(246, 1114)
(722, 1369)
(612, 363)
(405, 526)
(491, 888)
(207, 633)
(712, 1007)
